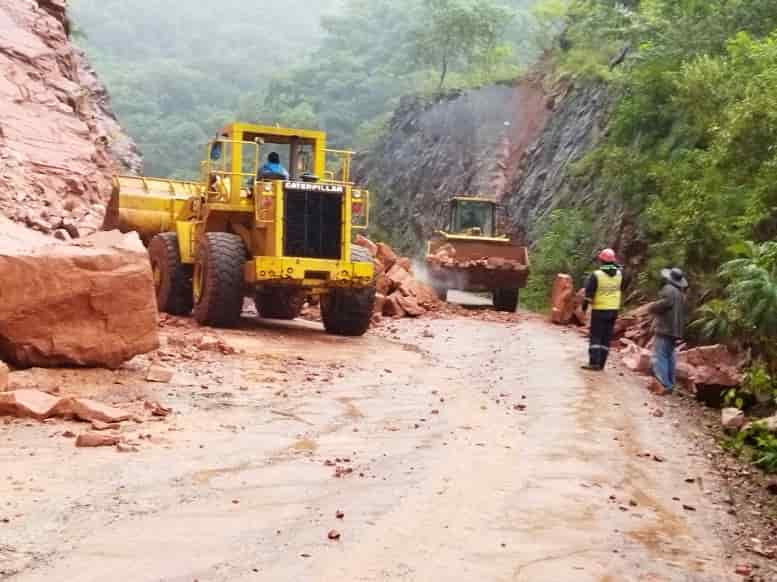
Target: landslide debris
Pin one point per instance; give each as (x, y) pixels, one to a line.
(400, 293)
(85, 304)
(59, 140)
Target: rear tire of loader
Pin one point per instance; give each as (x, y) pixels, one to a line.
(506, 300)
(279, 303)
(172, 278)
(218, 279)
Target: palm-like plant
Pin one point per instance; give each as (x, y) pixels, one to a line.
(752, 286)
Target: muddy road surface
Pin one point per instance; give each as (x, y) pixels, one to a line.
(434, 450)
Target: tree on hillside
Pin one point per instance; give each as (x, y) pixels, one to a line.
(453, 31)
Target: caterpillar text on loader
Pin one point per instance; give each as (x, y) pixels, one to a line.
(236, 233)
(471, 256)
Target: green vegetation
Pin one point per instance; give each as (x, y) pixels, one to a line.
(692, 147)
(564, 245)
(177, 74)
(376, 51)
(757, 445)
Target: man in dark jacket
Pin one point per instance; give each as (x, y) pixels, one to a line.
(603, 292)
(671, 313)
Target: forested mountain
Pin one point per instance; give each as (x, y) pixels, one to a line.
(176, 74)
(177, 71)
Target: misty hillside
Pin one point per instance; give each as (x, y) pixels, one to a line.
(177, 71)
(176, 75)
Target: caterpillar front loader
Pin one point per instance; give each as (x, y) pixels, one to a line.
(470, 255)
(241, 232)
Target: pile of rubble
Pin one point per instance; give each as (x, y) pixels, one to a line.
(445, 257)
(400, 293)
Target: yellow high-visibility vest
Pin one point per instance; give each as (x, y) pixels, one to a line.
(608, 291)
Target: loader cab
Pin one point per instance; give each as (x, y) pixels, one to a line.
(473, 217)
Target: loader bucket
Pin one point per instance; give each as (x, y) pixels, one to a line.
(148, 206)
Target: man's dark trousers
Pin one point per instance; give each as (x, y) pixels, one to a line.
(602, 326)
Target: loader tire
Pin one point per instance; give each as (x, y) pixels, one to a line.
(218, 279)
(172, 278)
(348, 311)
(506, 300)
(279, 303)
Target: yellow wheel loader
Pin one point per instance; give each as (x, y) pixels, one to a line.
(242, 230)
(471, 256)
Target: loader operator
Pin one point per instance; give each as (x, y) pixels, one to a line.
(273, 168)
(603, 292)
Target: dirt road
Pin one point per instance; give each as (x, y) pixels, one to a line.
(457, 450)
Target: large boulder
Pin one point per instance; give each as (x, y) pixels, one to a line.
(713, 365)
(563, 299)
(85, 304)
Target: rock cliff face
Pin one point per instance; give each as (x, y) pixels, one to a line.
(59, 141)
(462, 144)
(520, 144)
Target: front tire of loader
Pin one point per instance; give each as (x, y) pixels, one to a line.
(218, 279)
(279, 303)
(172, 278)
(349, 312)
(506, 300)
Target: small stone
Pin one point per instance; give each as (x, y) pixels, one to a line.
(743, 570)
(687, 507)
(333, 535)
(159, 374)
(732, 419)
(93, 439)
(124, 448)
(339, 514)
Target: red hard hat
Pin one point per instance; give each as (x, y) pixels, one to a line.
(607, 256)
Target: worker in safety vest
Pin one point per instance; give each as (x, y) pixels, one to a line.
(603, 292)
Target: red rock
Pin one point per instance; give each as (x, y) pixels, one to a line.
(90, 411)
(333, 535)
(409, 305)
(562, 300)
(363, 241)
(636, 358)
(93, 439)
(392, 308)
(386, 255)
(27, 404)
(496, 263)
(159, 374)
(157, 409)
(424, 294)
(406, 264)
(382, 284)
(4, 373)
(86, 304)
(101, 426)
(743, 570)
(380, 301)
(396, 276)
